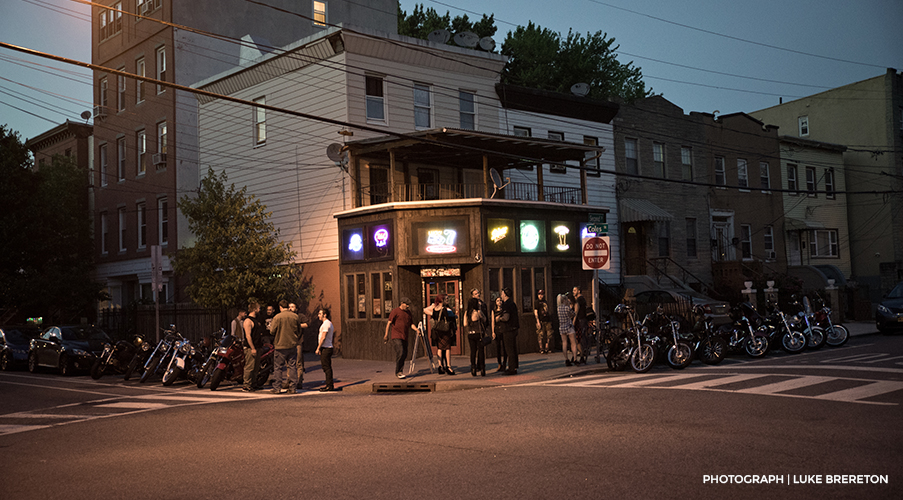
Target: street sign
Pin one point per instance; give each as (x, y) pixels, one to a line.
(597, 229)
(157, 268)
(596, 253)
(596, 218)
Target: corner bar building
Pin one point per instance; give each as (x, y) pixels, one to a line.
(428, 219)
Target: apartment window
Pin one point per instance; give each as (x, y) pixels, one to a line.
(823, 243)
(103, 165)
(632, 163)
(768, 241)
(104, 232)
(792, 184)
(376, 103)
(103, 92)
(746, 241)
(120, 158)
(161, 68)
(356, 296)
(422, 105)
(381, 294)
(319, 13)
(122, 226)
(811, 182)
(140, 70)
(111, 21)
(593, 167)
(163, 221)
(120, 91)
(142, 225)
(691, 237)
(686, 163)
(141, 148)
(764, 176)
(161, 137)
(804, 126)
(719, 172)
(468, 109)
(658, 156)
(558, 169)
(522, 131)
(829, 184)
(742, 174)
(663, 233)
(260, 121)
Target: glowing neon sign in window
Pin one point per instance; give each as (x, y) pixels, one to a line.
(381, 237)
(532, 236)
(441, 241)
(498, 234)
(562, 232)
(355, 243)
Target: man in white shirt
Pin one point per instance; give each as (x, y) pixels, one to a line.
(324, 348)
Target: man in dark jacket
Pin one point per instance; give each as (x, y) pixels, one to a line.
(512, 325)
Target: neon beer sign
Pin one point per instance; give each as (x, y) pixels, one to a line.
(441, 241)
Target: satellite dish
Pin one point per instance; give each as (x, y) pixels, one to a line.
(334, 152)
(467, 39)
(497, 181)
(487, 43)
(580, 89)
(439, 36)
(86, 115)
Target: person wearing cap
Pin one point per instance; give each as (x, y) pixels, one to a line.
(543, 322)
(400, 320)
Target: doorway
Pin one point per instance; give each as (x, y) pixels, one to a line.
(634, 257)
(452, 290)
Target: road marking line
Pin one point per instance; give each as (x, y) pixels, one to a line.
(854, 359)
(885, 359)
(41, 415)
(786, 385)
(720, 381)
(134, 405)
(12, 429)
(864, 391)
(641, 381)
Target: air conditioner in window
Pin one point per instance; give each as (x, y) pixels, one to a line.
(159, 159)
(100, 111)
(146, 7)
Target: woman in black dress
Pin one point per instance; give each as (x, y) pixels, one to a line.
(475, 322)
(443, 327)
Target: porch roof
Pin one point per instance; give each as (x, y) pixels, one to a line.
(637, 210)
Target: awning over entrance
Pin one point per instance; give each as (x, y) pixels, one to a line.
(792, 224)
(638, 210)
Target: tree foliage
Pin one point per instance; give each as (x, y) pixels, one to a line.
(421, 22)
(237, 254)
(46, 243)
(542, 59)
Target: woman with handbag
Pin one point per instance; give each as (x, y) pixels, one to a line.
(475, 322)
(443, 327)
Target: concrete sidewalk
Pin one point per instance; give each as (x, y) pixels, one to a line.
(368, 376)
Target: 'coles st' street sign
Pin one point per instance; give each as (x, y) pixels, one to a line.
(596, 254)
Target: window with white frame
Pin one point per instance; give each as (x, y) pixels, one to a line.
(104, 233)
(811, 182)
(422, 106)
(720, 178)
(631, 157)
(376, 102)
(804, 126)
(122, 227)
(103, 92)
(764, 176)
(103, 165)
(792, 182)
(558, 169)
(161, 68)
(260, 121)
(768, 242)
(746, 241)
(141, 209)
(120, 91)
(163, 221)
(161, 137)
(829, 184)
(686, 163)
(593, 166)
(742, 173)
(823, 243)
(468, 110)
(319, 13)
(522, 131)
(110, 21)
(140, 70)
(120, 158)
(691, 237)
(141, 148)
(658, 157)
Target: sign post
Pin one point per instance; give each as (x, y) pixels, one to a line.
(157, 283)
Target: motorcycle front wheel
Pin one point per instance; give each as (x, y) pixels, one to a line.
(836, 335)
(133, 364)
(642, 358)
(149, 370)
(206, 373)
(680, 355)
(711, 350)
(97, 369)
(756, 347)
(171, 375)
(793, 342)
(216, 378)
(815, 338)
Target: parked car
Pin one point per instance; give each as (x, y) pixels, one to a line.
(889, 316)
(67, 348)
(682, 303)
(14, 343)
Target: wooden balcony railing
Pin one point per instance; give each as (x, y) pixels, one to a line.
(379, 193)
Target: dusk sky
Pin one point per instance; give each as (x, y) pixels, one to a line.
(704, 55)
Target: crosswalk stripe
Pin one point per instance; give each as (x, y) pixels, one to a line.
(134, 405)
(858, 358)
(786, 385)
(707, 384)
(641, 381)
(864, 391)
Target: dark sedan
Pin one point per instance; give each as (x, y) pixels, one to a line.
(67, 348)
(14, 343)
(889, 315)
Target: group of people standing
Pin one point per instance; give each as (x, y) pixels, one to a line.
(284, 331)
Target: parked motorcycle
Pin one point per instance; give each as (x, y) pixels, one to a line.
(161, 353)
(835, 335)
(180, 363)
(747, 333)
(632, 345)
(115, 357)
(143, 351)
(229, 364)
(805, 321)
(666, 335)
(791, 338)
(710, 348)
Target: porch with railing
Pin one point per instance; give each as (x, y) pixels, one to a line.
(379, 193)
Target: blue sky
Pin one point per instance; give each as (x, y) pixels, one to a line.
(704, 55)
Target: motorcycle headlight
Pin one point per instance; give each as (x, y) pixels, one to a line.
(107, 346)
(222, 351)
(146, 346)
(645, 330)
(186, 348)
